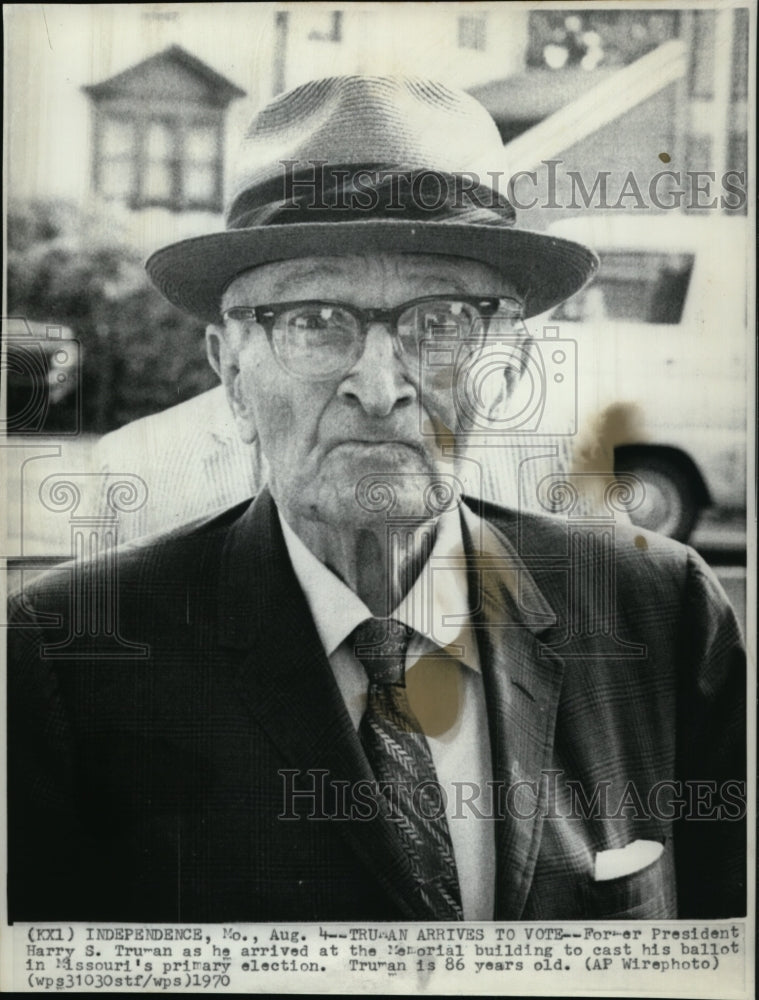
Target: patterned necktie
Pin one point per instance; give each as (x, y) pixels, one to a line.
(402, 763)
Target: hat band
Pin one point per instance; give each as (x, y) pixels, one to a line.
(347, 193)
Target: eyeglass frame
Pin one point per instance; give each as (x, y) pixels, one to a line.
(266, 316)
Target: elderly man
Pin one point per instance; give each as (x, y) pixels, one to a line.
(362, 695)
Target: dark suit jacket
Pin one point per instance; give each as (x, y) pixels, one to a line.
(145, 758)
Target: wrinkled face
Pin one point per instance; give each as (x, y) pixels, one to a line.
(385, 416)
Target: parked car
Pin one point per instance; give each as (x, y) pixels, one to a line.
(42, 363)
(662, 348)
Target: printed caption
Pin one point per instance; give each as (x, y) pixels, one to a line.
(355, 958)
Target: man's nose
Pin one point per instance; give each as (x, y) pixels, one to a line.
(379, 379)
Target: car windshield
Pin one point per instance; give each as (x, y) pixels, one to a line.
(636, 286)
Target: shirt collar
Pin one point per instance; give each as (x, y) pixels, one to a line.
(437, 606)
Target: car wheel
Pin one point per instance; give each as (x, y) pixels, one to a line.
(670, 505)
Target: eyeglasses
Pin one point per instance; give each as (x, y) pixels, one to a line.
(319, 340)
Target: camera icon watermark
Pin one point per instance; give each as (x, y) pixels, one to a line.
(511, 386)
(42, 365)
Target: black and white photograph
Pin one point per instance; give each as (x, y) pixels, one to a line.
(378, 449)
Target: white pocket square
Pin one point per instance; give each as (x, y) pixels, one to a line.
(626, 860)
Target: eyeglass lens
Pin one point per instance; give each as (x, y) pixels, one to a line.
(319, 339)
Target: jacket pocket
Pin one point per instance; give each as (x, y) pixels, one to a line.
(647, 894)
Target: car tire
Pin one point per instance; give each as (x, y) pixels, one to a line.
(670, 505)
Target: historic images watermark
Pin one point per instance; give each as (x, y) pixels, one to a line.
(314, 795)
(314, 186)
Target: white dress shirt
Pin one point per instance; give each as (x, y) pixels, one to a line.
(437, 608)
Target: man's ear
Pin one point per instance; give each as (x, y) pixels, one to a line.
(224, 357)
(503, 399)
(214, 337)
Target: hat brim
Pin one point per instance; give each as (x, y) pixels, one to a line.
(193, 273)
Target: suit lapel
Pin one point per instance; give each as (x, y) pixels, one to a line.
(289, 687)
(522, 680)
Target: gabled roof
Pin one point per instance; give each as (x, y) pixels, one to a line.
(161, 66)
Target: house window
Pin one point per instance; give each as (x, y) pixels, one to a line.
(157, 171)
(330, 29)
(117, 159)
(159, 133)
(201, 166)
(173, 161)
(633, 286)
(588, 37)
(473, 32)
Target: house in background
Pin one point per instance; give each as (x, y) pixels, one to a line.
(460, 44)
(158, 133)
(141, 107)
(626, 91)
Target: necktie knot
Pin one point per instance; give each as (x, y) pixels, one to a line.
(380, 646)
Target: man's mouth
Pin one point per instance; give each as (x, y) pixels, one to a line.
(375, 444)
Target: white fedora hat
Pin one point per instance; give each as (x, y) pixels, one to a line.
(364, 164)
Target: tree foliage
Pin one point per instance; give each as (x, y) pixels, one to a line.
(138, 353)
